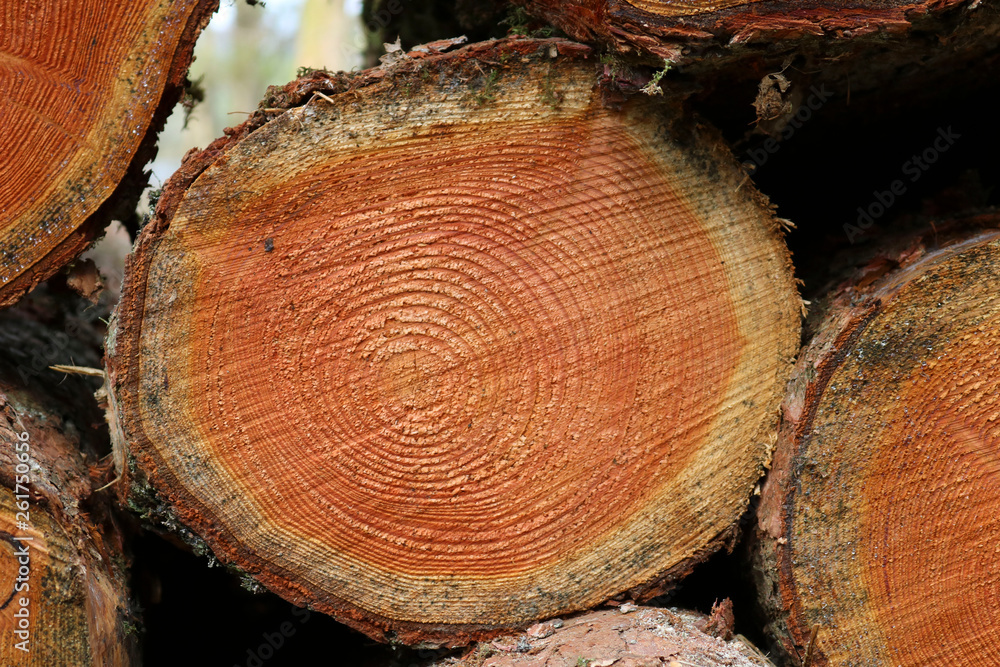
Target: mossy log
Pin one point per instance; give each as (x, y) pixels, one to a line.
(64, 600)
(449, 346)
(879, 524)
(86, 85)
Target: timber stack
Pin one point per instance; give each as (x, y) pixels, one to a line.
(491, 346)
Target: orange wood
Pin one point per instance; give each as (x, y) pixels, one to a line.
(441, 335)
(86, 86)
(880, 518)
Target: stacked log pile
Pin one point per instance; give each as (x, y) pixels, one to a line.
(487, 346)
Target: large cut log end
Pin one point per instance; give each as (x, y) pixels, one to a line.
(879, 524)
(450, 346)
(90, 85)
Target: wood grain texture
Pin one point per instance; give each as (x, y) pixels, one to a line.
(627, 637)
(73, 576)
(459, 350)
(879, 523)
(84, 87)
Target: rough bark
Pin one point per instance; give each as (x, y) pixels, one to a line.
(85, 87)
(667, 29)
(60, 551)
(878, 54)
(639, 23)
(453, 346)
(878, 524)
(629, 636)
(415, 22)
